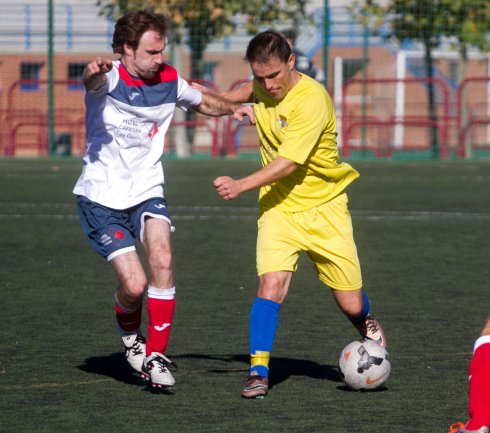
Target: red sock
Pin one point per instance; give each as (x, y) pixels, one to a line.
(161, 306)
(479, 407)
(129, 321)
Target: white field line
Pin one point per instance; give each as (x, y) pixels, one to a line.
(64, 211)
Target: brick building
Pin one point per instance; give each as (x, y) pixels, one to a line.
(80, 34)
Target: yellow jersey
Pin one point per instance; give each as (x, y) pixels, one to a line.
(302, 128)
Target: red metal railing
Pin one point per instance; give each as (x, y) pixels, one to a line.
(26, 123)
(424, 121)
(466, 122)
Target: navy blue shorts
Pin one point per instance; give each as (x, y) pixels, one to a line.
(112, 232)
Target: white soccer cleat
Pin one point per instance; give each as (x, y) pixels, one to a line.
(134, 349)
(156, 369)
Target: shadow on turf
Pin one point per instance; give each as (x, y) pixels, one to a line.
(115, 366)
(347, 389)
(281, 368)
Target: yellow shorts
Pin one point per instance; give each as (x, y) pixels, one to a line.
(324, 232)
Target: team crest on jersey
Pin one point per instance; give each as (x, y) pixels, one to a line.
(153, 130)
(282, 121)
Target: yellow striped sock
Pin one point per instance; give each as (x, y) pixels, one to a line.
(260, 358)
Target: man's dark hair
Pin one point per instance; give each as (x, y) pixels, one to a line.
(266, 45)
(130, 27)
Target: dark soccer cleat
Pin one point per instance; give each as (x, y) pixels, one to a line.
(255, 387)
(134, 349)
(460, 428)
(371, 329)
(156, 368)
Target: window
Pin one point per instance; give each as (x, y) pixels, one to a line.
(351, 67)
(75, 74)
(30, 71)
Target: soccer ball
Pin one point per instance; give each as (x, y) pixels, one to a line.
(364, 364)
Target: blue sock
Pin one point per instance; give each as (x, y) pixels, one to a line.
(365, 310)
(263, 325)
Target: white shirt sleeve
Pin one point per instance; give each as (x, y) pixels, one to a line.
(186, 95)
(112, 77)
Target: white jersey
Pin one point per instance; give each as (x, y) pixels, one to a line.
(126, 122)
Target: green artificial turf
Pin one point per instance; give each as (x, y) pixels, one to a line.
(422, 231)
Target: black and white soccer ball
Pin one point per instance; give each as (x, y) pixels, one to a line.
(364, 365)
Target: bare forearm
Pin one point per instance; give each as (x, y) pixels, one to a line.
(241, 94)
(213, 105)
(276, 170)
(229, 188)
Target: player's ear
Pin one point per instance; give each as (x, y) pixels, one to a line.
(128, 51)
(291, 61)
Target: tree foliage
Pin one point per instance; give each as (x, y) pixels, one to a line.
(465, 22)
(206, 20)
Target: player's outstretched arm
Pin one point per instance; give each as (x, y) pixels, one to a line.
(94, 73)
(212, 104)
(229, 188)
(241, 94)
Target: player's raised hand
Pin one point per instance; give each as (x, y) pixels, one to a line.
(94, 74)
(227, 187)
(99, 66)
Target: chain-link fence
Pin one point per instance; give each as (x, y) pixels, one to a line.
(399, 90)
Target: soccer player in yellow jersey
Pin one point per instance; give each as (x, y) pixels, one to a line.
(303, 206)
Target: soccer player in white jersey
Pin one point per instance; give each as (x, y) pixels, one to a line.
(120, 197)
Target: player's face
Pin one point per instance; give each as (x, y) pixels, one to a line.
(146, 60)
(275, 76)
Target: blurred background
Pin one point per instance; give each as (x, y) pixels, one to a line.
(409, 79)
